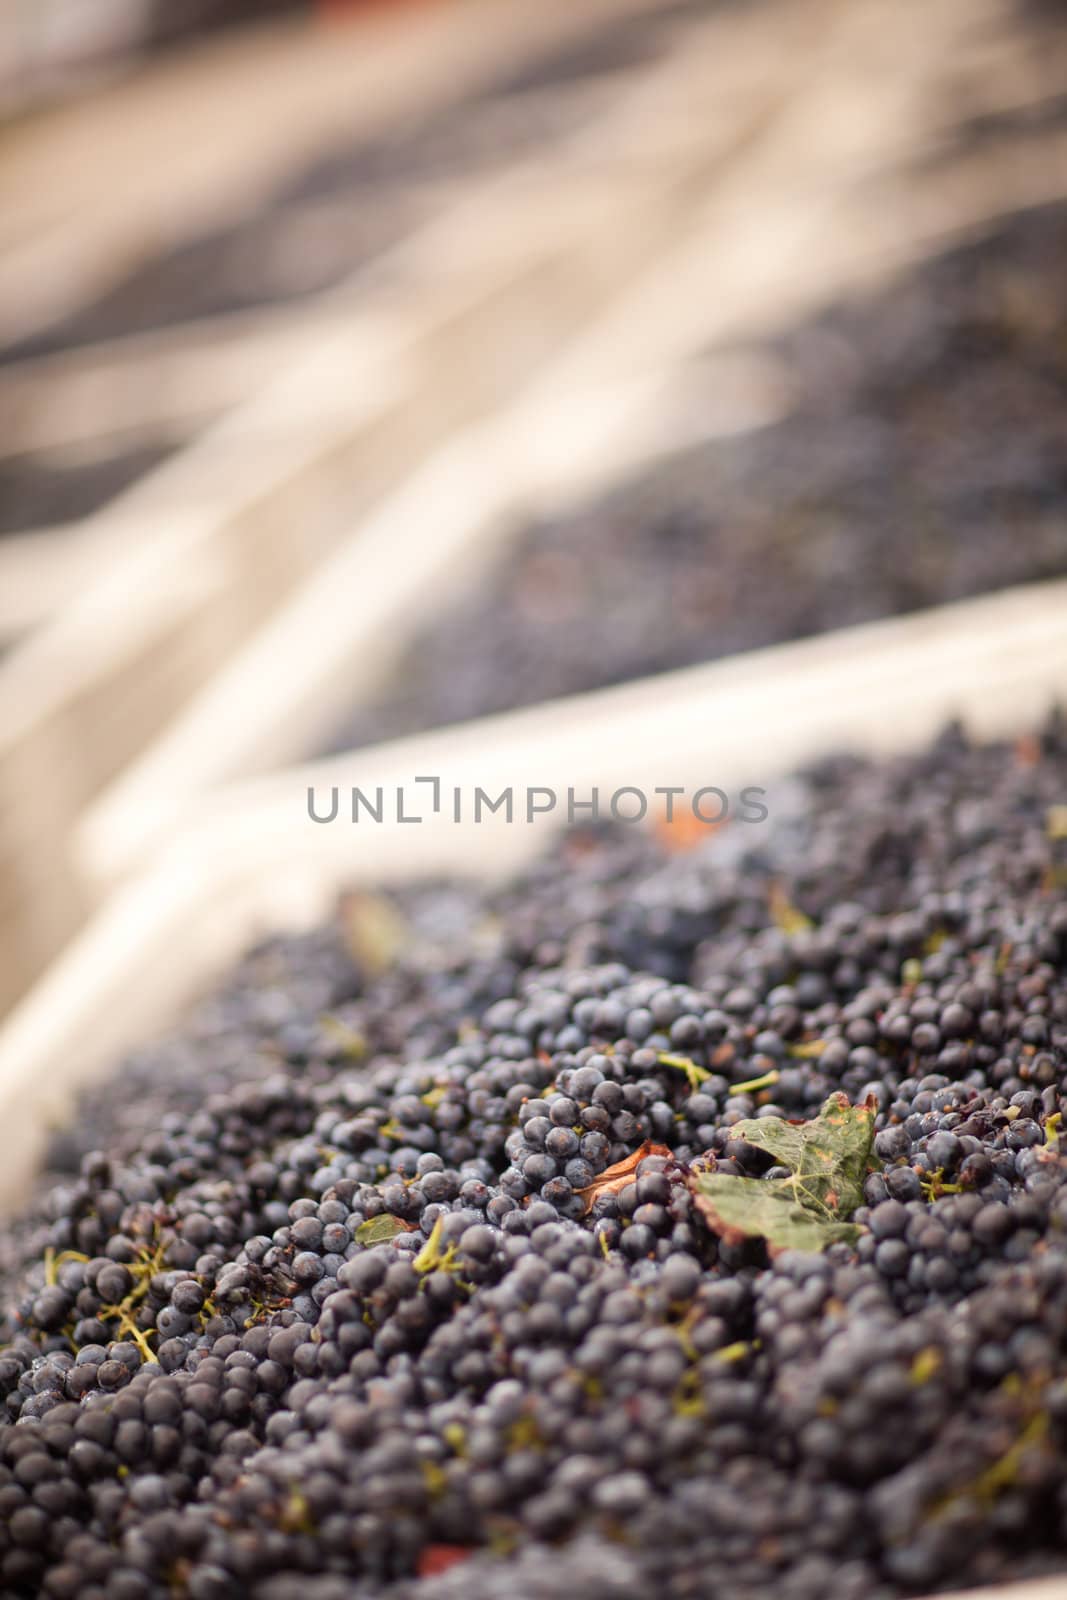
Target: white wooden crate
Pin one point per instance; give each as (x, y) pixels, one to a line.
(197, 556)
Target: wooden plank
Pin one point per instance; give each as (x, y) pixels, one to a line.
(40, 572)
(179, 378)
(181, 375)
(80, 193)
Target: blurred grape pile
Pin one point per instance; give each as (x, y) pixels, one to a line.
(924, 460)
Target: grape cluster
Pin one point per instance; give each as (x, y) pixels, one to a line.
(402, 1286)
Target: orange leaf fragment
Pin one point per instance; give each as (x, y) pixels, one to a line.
(683, 830)
(437, 1558)
(612, 1179)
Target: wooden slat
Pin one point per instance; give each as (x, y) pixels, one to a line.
(81, 196)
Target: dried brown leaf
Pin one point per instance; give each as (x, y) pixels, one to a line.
(617, 1177)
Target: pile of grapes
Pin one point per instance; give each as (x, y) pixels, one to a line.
(688, 1222)
(924, 460)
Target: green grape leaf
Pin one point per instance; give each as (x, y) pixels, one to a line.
(747, 1208)
(373, 929)
(381, 1229)
(828, 1159)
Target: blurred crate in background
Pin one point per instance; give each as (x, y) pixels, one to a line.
(170, 20)
(502, 154)
(51, 47)
(47, 46)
